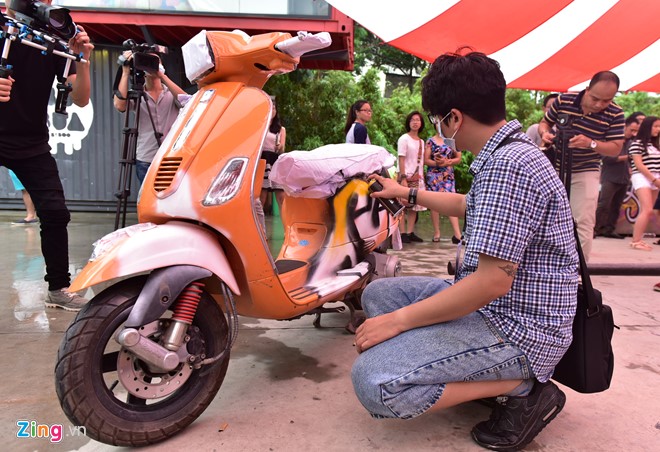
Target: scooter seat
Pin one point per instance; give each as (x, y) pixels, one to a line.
(287, 265)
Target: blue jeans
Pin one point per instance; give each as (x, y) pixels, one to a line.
(405, 375)
(141, 170)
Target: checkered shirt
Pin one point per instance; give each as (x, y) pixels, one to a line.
(517, 210)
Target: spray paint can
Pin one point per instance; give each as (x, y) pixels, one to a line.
(391, 205)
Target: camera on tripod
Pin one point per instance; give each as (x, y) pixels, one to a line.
(144, 56)
(47, 18)
(143, 59)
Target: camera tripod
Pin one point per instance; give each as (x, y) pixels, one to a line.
(134, 98)
(563, 161)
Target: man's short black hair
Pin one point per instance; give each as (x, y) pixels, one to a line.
(631, 120)
(604, 76)
(472, 83)
(636, 115)
(551, 96)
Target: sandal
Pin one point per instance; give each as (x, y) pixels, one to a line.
(642, 246)
(436, 239)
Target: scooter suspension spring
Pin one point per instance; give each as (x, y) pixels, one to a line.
(186, 304)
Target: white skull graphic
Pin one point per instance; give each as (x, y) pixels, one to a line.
(68, 131)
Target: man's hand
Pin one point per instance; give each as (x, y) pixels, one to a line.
(126, 67)
(81, 43)
(391, 189)
(580, 141)
(548, 137)
(376, 330)
(5, 88)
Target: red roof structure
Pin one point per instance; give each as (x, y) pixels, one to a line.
(551, 45)
(107, 25)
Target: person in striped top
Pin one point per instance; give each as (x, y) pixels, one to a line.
(593, 128)
(644, 152)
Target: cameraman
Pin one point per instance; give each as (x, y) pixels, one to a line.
(160, 104)
(24, 149)
(594, 129)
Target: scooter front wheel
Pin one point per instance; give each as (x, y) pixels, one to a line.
(91, 373)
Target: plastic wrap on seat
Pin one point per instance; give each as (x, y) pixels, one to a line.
(320, 172)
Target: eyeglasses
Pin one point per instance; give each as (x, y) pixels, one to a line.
(367, 111)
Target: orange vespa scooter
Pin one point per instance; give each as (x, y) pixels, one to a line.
(148, 354)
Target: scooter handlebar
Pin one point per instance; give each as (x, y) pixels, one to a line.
(304, 43)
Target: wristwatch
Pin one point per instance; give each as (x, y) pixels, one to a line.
(593, 144)
(412, 196)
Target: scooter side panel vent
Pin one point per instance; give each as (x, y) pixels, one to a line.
(166, 172)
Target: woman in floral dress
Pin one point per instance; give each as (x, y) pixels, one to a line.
(440, 160)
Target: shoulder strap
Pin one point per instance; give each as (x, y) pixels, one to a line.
(593, 306)
(511, 139)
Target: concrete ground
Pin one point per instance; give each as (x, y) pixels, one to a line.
(288, 385)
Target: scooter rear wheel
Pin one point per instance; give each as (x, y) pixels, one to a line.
(89, 386)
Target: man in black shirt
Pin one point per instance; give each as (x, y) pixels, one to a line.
(614, 181)
(24, 149)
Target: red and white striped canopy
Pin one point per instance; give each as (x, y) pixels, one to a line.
(551, 45)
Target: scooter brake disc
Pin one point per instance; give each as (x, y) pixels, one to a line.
(138, 380)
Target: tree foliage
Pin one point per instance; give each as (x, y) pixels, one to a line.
(314, 106)
(638, 101)
(371, 51)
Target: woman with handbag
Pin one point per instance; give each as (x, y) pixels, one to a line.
(411, 170)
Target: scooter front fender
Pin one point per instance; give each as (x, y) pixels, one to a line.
(157, 246)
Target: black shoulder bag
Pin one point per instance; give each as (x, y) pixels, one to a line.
(588, 364)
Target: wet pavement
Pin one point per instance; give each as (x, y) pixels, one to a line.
(288, 384)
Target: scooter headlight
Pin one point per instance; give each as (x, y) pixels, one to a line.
(227, 183)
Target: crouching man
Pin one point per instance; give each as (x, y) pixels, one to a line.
(501, 327)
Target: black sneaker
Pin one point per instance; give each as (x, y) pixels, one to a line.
(405, 238)
(415, 238)
(516, 421)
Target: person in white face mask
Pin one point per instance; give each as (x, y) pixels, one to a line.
(502, 325)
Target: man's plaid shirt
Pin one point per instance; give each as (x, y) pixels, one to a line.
(517, 210)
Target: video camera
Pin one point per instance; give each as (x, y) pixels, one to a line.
(43, 27)
(143, 56)
(47, 18)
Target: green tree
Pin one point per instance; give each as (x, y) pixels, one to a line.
(313, 105)
(370, 50)
(521, 105)
(639, 101)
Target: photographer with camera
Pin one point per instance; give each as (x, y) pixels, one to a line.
(589, 126)
(158, 109)
(24, 95)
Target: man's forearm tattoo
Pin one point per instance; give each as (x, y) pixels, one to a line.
(509, 269)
